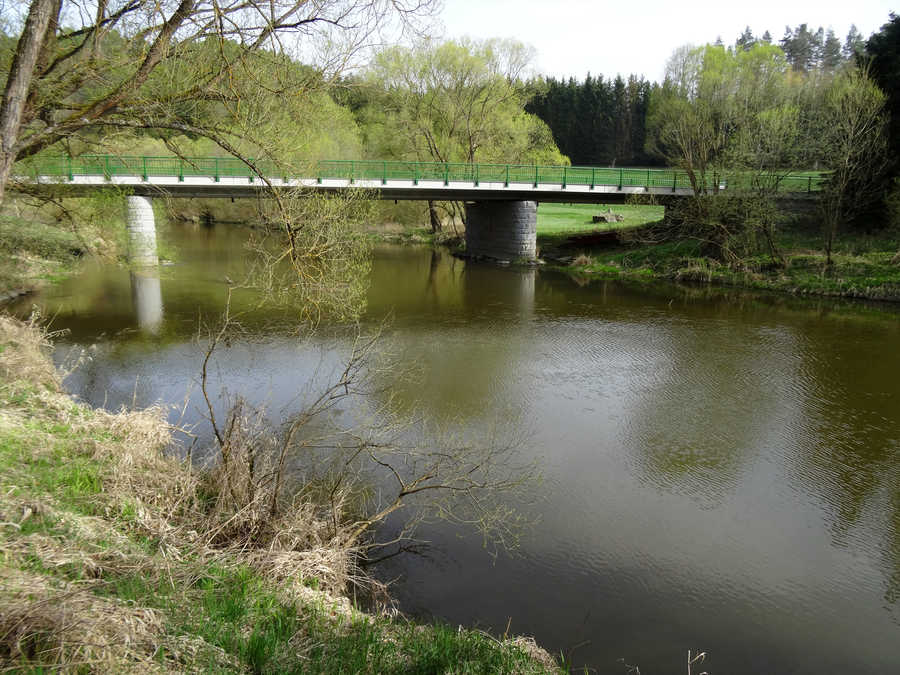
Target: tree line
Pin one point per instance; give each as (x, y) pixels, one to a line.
(599, 121)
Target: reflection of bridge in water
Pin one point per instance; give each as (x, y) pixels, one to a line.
(501, 198)
(146, 296)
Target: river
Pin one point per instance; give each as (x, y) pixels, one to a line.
(721, 469)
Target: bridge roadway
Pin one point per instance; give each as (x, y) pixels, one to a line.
(398, 189)
(501, 199)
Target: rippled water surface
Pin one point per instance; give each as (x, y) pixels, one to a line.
(721, 469)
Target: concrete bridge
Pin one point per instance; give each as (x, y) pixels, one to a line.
(501, 199)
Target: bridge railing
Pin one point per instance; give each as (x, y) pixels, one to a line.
(145, 167)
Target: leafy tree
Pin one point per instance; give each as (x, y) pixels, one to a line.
(746, 116)
(687, 120)
(455, 101)
(727, 114)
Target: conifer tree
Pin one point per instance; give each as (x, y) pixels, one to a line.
(854, 45)
(745, 40)
(831, 51)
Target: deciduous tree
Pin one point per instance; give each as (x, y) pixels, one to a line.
(727, 115)
(455, 101)
(850, 140)
(71, 75)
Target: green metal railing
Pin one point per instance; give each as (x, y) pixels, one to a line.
(111, 166)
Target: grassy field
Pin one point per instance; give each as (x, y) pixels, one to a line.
(108, 562)
(557, 221)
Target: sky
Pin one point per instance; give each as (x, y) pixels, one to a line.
(574, 37)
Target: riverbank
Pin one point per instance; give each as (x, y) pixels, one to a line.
(864, 266)
(43, 242)
(111, 560)
(34, 254)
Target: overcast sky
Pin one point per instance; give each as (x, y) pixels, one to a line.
(573, 37)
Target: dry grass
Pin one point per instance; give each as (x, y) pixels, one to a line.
(58, 624)
(535, 651)
(24, 357)
(147, 493)
(166, 499)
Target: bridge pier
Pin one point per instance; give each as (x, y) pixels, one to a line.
(502, 230)
(141, 232)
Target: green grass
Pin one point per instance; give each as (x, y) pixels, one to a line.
(557, 221)
(237, 611)
(33, 252)
(864, 265)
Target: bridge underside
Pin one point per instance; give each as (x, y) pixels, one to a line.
(422, 190)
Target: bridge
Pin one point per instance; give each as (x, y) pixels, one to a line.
(501, 199)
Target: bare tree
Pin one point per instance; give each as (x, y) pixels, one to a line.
(849, 134)
(67, 78)
(355, 474)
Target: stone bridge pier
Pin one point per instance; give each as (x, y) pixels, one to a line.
(502, 230)
(141, 232)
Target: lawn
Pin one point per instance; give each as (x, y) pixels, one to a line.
(562, 220)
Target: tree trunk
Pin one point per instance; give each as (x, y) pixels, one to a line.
(435, 218)
(18, 83)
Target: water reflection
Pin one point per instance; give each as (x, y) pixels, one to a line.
(849, 453)
(446, 312)
(678, 424)
(146, 295)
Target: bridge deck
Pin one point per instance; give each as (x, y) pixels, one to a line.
(230, 177)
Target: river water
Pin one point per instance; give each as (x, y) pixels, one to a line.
(721, 470)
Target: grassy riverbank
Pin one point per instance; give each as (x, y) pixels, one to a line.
(41, 243)
(112, 560)
(865, 265)
(34, 254)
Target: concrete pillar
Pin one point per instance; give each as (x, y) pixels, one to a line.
(146, 296)
(502, 230)
(141, 232)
